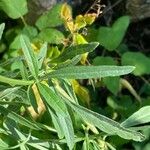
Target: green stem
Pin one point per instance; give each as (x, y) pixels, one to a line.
(15, 81)
(23, 20)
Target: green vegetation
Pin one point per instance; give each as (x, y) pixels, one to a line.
(43, 101)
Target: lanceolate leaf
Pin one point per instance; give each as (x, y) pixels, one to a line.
(66, 125)
(29, 55)
(73, 51)
(56, 123)
(42, 55)
(85, 72)
(32, 98)
(2, 26)
(7, 92)
(14, 8)
(105, 124)
(63, 121)
(142, 116)
(19, 119)
(52, 99)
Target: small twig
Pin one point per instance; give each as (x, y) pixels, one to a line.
(96, 7)
(146, 81)
(114, 5)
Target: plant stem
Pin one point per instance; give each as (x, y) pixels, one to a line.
(14, 82)
(23, 20)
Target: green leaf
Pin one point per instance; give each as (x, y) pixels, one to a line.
(73, 51)
(85, 72)
(66, 125)
(19, 119)
(42, 55)
(13, 96)
(63, 123)
(30, 31)
(23, 70)
(57, 123)
(14, 8)
(32, 98)
(8, 92)
(12, 127)
(105, 124)
(2, 26)
(140, 117)
(18, 64)
(23, 121)
(113, 104)
(52, 36)
(3, 144)
(112, 83)
(38, 146)
(15, 44)
(100, 60)
(52, 99)
(51, 19)
(29, 56)
(111, 37)
(139, 60)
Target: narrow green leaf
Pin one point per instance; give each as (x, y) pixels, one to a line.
(42, 55)
(2, 26)
(57, 123)
(105, 124)
(19, 65)
(23, 70)
(85, 72)
(111, 147)
(73, 51)
(13, 96)
(52, 99)
(29, 55)
(3, 144)
(140, 117)
(32, 99)
(37, 146)
(19, 119)
(7, 92)
(66, 125)
(14, 8)
(62, 121)
(12, 127)
(112, 83)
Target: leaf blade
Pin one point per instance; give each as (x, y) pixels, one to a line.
(66, 125)
(14, 8)
(105, 124)
(85, 72)
(2, 26)
(29, 56)
(52, 99)
(140, 117)
(73, 51)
